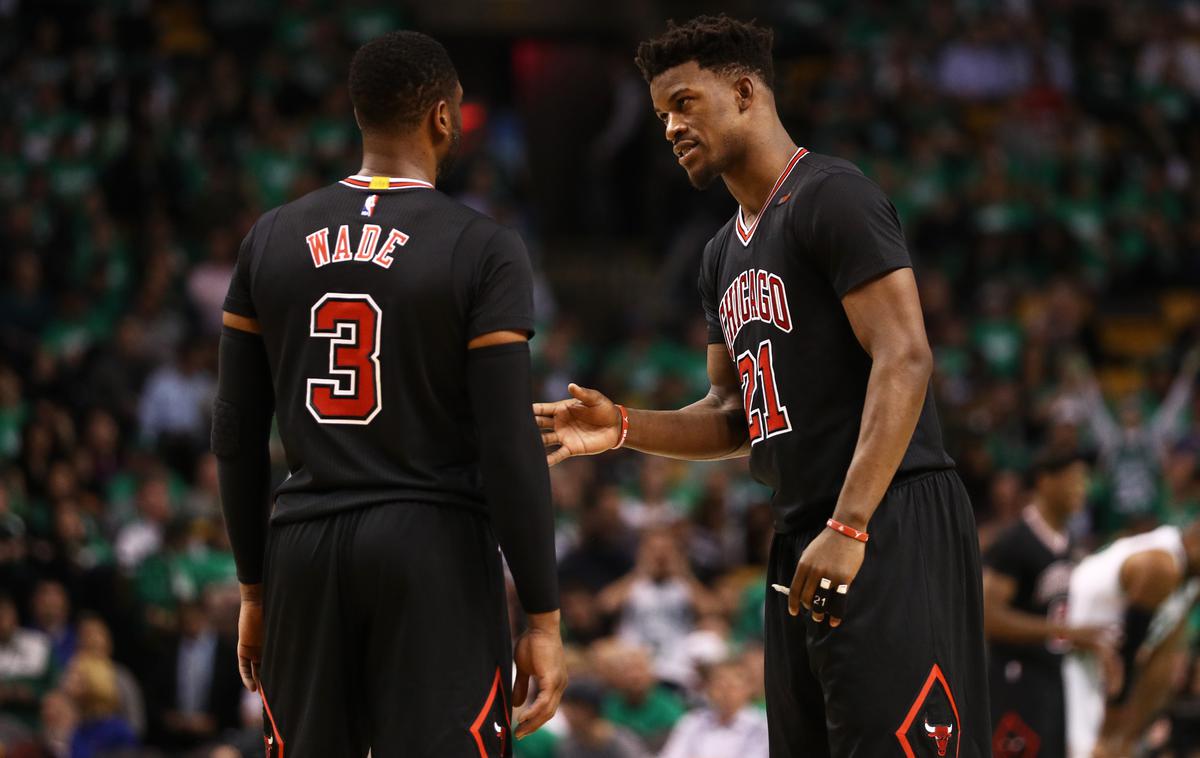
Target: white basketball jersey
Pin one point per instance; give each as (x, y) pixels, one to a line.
(1096, 599)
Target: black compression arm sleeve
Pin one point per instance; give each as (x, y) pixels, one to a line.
(241, 430)
(1137, 626)
(513, 463)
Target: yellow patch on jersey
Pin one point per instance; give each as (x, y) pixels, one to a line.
(379, 182)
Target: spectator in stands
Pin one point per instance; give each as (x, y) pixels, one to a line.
(174, 408)
(25, 665)
(197, 692)
(144, 536)
(729, 727)
(658, 601)
(635, 700)
(606, 545)
(1133, 450)
(51, 610)
(95, 640)
(589, 734)
(91, 682)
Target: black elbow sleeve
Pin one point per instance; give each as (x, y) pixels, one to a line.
(1137, 627)
(512, 460)
(241, 430)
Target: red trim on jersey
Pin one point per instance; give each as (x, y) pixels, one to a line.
(271, 718)
(746, 232)
(487, 706)
(935, 675)
(358, 181)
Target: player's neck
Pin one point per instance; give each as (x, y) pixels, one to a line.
(398, 158)
(753, 179)
(1052, 519)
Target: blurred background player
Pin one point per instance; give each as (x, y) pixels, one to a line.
(1026, 576)
(1141, 588)
(387, 328)
(819, 370)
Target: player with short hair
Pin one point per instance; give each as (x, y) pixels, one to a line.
(387, 327)
(820, 369)
(1026, 575)
(1142, 588)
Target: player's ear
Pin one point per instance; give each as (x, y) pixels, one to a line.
(357, 120)
(744, 92)
(443, 122)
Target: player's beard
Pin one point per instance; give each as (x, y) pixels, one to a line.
(708, 171)
(447, 161)
(704, 178)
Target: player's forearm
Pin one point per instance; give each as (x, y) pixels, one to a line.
(895, 394)
(1151, 689)
(710, 429)
(516, 482)
(241, 430)
(1006, 624)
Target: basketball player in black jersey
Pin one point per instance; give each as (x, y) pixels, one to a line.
(387, 326)
(1026, 577)
(820, 368)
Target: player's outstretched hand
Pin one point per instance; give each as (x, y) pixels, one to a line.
(829, 556)
(250, 635)
(587, 423)
(539, 654)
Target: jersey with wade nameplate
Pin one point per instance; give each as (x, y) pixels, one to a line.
(367, 292)
(384, 602)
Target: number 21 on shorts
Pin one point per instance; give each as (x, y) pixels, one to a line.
(351, 323)
(758, 381)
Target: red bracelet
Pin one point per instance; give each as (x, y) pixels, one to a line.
(849, 531)
(624, 425)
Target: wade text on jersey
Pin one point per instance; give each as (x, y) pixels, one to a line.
(372, 247)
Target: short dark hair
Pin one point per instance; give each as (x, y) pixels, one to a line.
(718, 43)
(396, 78)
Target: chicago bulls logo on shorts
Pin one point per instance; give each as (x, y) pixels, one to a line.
(940, 735)
(931, 726)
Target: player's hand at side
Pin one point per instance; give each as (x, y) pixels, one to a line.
(539, 654)
(829, 556)
(1100, 640)
(1113, 747)
(250, 635)
(587, 423)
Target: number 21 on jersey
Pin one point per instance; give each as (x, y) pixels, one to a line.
(351, 323)
(758, 372)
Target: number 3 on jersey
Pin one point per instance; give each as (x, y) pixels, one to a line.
(351, 323)
(757, 369)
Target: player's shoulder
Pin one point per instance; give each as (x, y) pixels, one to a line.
(817, 173)
(1012, 539)
(717, 243)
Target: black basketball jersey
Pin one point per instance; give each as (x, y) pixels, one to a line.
(771, 291)
(1039, 561)
(367, 292)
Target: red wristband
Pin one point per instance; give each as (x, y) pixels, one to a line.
(849, 531)
(624, 425)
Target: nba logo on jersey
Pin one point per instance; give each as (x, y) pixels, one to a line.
(369, 206)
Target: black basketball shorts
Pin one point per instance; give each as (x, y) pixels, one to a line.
(904, 675)
(386, 628)
(1029, 716)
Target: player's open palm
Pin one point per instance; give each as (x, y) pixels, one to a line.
(587, 423)
(538, 654)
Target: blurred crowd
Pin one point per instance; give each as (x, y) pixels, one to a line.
(1043, 157)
